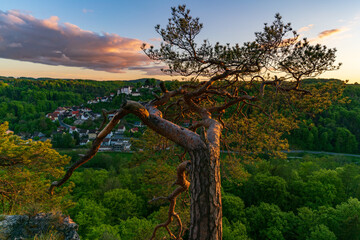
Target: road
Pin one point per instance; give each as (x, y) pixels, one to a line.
(313, 152)
(62, 123)
(320, 152)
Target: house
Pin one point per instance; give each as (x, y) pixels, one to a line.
(127, 147)
(92, 134)
(53, 116)
(116, 138)
(84, 142)
(138, 124)
(122, 146)
(112, 94)
(104, 148)
(110, 116)
(96, 115)
(83, 132)
(104, 99)
(94, 101)
(134, 130)
(75, 113)
(61, 129)
(136, 93)
(86, 116)
(117, 147)
(106, 142)
(61, 110)
(73, 129)
(109, 135)
(124, 90)
(121, 129)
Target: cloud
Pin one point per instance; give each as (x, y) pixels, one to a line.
(306, 28)
(331, 34)
(328, 33)
(155, 39)
(26, 38)
(151, 70)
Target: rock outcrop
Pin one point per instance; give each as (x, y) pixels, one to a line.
(58, 226)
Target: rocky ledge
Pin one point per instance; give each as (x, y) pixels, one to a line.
(54, 226)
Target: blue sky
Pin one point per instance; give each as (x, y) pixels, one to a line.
(124, 25)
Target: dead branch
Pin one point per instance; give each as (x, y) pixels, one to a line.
(105, 114)
(183, 186)
(92, 151)
(277, 84)
(196, 125)
(232, 102)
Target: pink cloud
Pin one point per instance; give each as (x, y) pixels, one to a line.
(306, 28)
(155, 39)
(328, 33)
(26, 38)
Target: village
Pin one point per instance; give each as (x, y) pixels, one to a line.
(118, 140)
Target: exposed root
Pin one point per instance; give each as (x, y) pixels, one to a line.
(183, 186)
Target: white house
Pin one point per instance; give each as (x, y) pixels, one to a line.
(135, 94)
(109, 135)
(73, 129)
(121, 129)
(83, 132)
(125, 90)
(106, 142)
(84, 142)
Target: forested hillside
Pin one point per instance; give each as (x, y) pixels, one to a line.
(335, 129)
(267, 197)
(25, 102)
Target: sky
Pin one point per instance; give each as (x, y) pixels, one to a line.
(101, 40)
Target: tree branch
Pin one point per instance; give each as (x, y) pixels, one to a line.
(152, 117)
(92, 151)
(232, 102)
(183, 186)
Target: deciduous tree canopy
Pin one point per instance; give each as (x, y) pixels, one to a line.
(26, 170)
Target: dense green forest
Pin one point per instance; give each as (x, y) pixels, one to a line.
(334, 130)
(302, 197)
(298, 197)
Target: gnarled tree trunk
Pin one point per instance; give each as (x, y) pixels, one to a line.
(206, 214)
